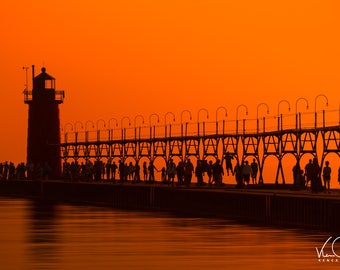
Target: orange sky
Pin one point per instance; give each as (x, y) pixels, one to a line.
(123, 58)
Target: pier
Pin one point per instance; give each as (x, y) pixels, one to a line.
(87, 150)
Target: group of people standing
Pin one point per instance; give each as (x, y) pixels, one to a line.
(7, 170)
(313, 175)
(22, 171)
(184, 172)
(245, 173)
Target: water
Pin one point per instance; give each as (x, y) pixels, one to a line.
(87, 237)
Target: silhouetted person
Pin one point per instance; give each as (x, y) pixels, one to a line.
(171, 172)
(210, 172)
(180, 173)
(5, 171)
(108, 170)
(131, 171)
(326, 174)
(145, 171)
(254, 170)
(88, 171)
(199, 173)
(97, 170)
(121, 168)
(315, 180)
(151, 171)
(217, 173)
(102, 168)
(246, 172)
(136, 176)
(309, 171)
(188, 171)
(298, 176)
(296, 170)
(20, 171)
(238, 175)
(114, 168)
(228, 163)
(126, 172)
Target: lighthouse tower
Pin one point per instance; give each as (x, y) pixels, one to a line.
(43, 140)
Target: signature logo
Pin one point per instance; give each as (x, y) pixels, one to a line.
(328, 251)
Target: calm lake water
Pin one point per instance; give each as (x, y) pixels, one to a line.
(34, 236)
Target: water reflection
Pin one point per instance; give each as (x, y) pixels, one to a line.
(42, 234)
(86, 237)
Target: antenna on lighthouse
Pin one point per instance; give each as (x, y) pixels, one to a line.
(26, 82)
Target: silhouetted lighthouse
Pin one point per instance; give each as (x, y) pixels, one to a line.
(43, 137)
